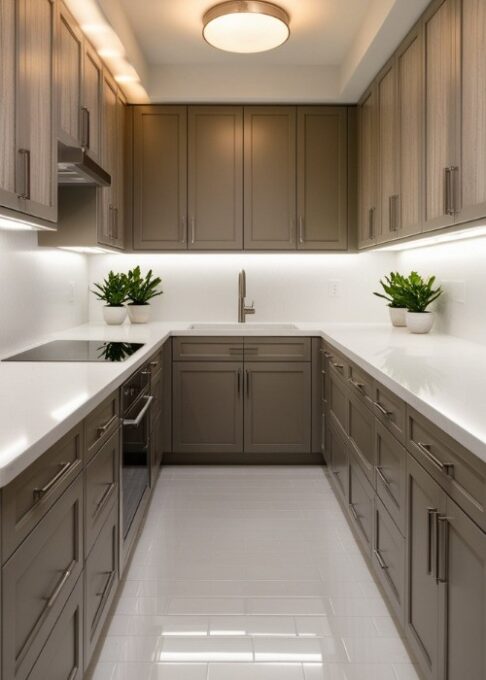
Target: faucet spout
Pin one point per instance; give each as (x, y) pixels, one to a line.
(243, 308)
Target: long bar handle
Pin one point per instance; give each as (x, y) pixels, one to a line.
(25, 153)
(380, 559)
(431, 513)
(104, 498)
(443, 549)
(85, 127)
(60, 585)
(301, 229)
(39, 493)
(382, 409)
(446, 468)
(371, 223)
(136, 421)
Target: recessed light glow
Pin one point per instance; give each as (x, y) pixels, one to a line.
(127, 78)
(461, 235)
(94, 29)
(89, 250)
(12, 224)
(246, 26)
(110, 53)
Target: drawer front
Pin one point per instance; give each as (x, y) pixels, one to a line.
(207, 349)
(361, 497)
(277, 349)
(391, 475)
(30, 495)
(338, 401)
(62, 656)
(38, 579)
(388, 558)
(391, 411)
(361, 432)
(337, 455)
(101, 488)
(460, 473)
(361, 385)
(101, 423)
(100, 582)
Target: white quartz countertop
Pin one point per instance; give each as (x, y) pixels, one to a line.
(441, 376)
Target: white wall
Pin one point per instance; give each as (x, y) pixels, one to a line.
(294, 287)
(36, 291)
(461, 269)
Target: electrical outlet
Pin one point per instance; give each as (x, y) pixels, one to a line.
(334, 288)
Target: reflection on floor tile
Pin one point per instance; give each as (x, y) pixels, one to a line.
(249, 573)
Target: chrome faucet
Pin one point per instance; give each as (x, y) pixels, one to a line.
(243, 308)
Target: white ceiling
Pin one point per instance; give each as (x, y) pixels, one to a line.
(335, 49)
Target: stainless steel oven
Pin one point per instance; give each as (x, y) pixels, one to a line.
(136, 454)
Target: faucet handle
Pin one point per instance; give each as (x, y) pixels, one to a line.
(250, 309)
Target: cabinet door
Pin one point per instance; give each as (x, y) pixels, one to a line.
(410, 83)
(322, 178)
(37, 119)
(207, 407)
(119, 221)
(160, 178)
(8, 146)
(388, 558)
(473, 110)
(462, 565)
(426, 501)
(360, 501)
(367, 170)
(215, 172)
(270, 178)
(107, 226)
(92, 103)
(69, 64)
(440, 104)
(388, 153)
(338, 461)
(277, 407)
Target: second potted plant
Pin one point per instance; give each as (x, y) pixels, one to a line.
(419, 295)
(394, 293)
(113, 291)
(140, 290)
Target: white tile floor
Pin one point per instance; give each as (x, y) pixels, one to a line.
(249, 573)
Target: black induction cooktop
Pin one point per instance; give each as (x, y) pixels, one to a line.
(79, 350)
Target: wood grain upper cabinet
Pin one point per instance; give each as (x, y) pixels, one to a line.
(270, 178)
(107, 227)
(8, 142)
(410, 143)
(442, 103)
(36, 118)
(92, 103)
(119, 178)
(472, 200)
(160, 178)
(386, 92)
(367, 169)
(322, 178)
(69, 66)
(215, 178)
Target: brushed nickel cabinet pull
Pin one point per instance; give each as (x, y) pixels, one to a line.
(85, 127)
(103, 597)
(381, 475)
(443, 549)
(60, 585)
(183, 228)
(446, 468)
(39, 493)
(135, 422)
(380, 559)
(371, 223)
(73, 673)
(431, 513)
(450, 198)
(25, 153)
(337, 366)
(359, 386)
(104, 428)
(193, 229)
(382, 409)
(353, 512)
(301, 229)
(104, 498)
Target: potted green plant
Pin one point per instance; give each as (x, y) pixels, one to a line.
(420, 293)
(141, 289)
(394, 294)
(113, 291)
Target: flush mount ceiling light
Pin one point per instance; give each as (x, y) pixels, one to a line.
(246, 26)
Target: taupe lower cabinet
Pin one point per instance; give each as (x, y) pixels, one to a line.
(249, 401)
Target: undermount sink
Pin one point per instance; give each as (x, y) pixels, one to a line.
(243, 327)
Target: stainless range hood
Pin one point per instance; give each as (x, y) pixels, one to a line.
(74, 166)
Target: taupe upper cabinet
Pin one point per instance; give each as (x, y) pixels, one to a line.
(367, 169)
(270, 178)
(215, 178)
(441, 143)
(109, 225)
(8, 142)
(322, 178)
(92, 105)
(386, 92)
(69, 65)
(160, 178)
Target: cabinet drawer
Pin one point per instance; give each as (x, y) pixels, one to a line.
(277, 349)
(391, 475)
(388, 557)
(361, 497)
(459, 472)
(62, 656)
(337, 401)
(390, 409)
(338, 461)
(361, 385)
(100, 582)
(101, 488)
(30, 495)
(101, 423)
(361, 422)
(37, 580)
(207, 349)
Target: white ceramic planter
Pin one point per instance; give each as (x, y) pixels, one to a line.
(114, 316)
(139, 313)
(398, 316)
(420, 322)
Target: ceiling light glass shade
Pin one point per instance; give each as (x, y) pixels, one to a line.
(246, 26)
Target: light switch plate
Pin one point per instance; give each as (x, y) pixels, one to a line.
(334, 288)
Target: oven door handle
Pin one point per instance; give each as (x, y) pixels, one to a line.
(136, 421)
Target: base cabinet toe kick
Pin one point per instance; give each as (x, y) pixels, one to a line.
(416, 502)
(62, 530)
